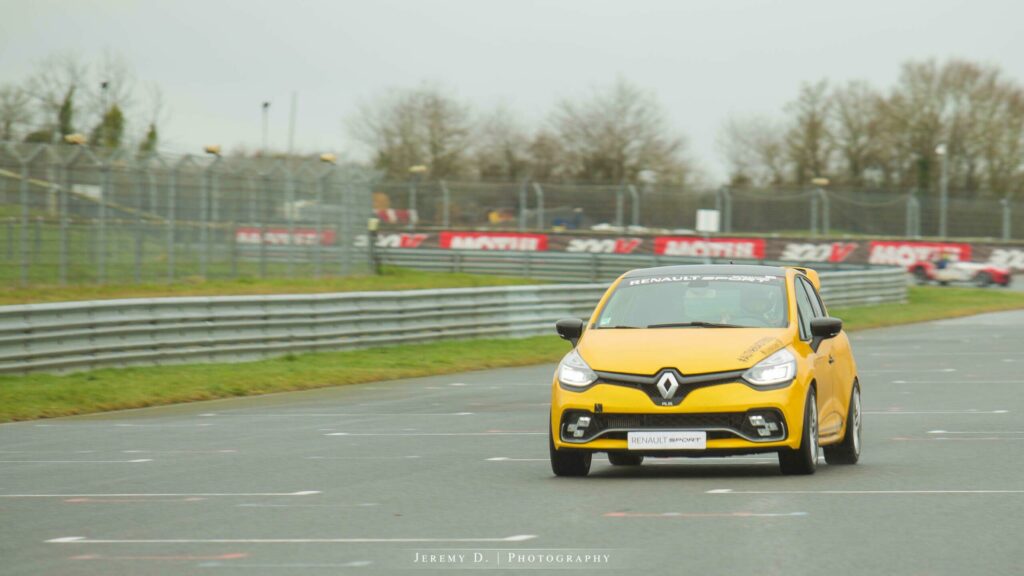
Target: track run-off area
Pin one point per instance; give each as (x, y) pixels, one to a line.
(451, 472)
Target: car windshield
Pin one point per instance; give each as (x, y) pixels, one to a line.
(696, 301)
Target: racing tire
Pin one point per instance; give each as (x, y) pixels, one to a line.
(920, 276)
(625, 459)
(983, 279)
(568, 462)
(848, 451)
(804, 460)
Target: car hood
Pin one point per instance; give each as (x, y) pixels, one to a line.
(689, 350)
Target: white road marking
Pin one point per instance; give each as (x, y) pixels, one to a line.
(137, 461)
(353, 564)
(704, 514)
(85, 540)
(504, 459)
(982, 432)
(205, 494)
(264, 505)
(905, 370)
(349, 414)
(912, 412)
(436, 434)
(861, 492)
(361, 457)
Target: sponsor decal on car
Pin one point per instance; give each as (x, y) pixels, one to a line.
(1012, 258)
(817, 252)
(702, 277)
(746, 248)
(905, 253)
(494, 241)
(603, 245)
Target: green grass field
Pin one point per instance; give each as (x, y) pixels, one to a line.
(47, 395)
(391, 278)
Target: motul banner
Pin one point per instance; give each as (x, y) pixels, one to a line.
(880, 252)
(515, 241)
(743, 248)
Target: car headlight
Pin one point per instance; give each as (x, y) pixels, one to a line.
(573, 371)
(778, 368)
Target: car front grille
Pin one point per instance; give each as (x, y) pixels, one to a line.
(718, 425)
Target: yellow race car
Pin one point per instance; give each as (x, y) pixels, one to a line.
(707, 360)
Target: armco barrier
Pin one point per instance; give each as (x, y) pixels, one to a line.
(112, 333)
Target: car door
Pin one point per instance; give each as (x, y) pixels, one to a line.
(809, 308)
(830, 416)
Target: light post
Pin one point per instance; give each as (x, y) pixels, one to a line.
(415, 174)
(101, 136)
(266, 111)
(942, 153)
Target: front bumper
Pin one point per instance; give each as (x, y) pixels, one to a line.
(723, 411)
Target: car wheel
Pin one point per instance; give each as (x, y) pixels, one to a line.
(804, 460)
(625, 459)
(920, 276)
(983, 279)
(568, 462)
(848, 451)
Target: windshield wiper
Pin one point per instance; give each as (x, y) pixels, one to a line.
(693, 325)
(615, 327)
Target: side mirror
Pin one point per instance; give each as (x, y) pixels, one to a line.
(823, 329)
(570, 329)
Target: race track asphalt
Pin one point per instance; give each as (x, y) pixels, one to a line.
(361, 479)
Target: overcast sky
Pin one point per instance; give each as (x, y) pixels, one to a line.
(216, 61)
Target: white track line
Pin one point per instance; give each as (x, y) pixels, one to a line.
(983, 432)
(436, 434)
(137, 461)
(85, 540)
(861, 492)
(206, 494)
(919, 412)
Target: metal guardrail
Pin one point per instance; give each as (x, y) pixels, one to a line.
(556, 266)
(115, 333)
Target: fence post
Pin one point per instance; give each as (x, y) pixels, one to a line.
(538, 191)
(446, 204)
(101, 236)
(412, 200)
(62, 214)
(321, 190)
(635, 196)
(139, 239)
(522, 205)
(23, 199)
(727, 207)
(172, 198)
(1006, 217)
(913, 215)
(825, 212)
(289, 190)
(814, 214)
(267, 202)
(620, 200)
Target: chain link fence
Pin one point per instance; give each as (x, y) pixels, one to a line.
(826, 211)
(72, 214)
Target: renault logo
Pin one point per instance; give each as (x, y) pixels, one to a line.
(667, 385)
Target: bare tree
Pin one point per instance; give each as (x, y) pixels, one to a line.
(808, 140)
(15, 112)
(615, 134)
(755, 151)
(52, 79)
(419, 126)
(856, 127)
(501, 148)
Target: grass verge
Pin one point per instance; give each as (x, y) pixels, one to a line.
(391, 278)
(47, 395)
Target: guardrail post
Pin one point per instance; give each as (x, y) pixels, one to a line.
(1006, 217)
(825, 212)
(446, 204)
(635, 197)
(539, 193)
